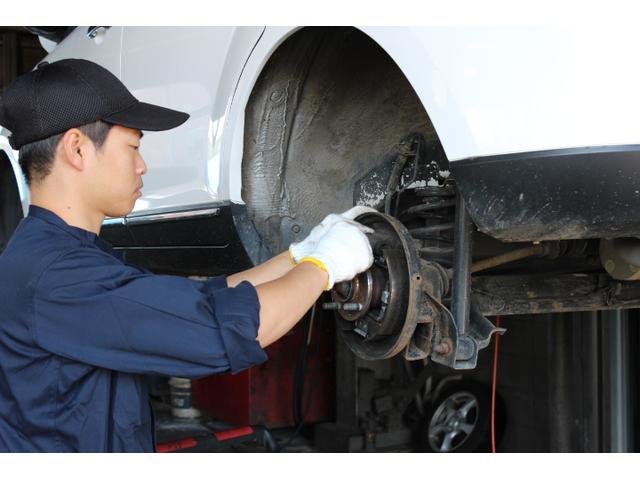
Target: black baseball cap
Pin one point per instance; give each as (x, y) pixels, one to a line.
(73, 92)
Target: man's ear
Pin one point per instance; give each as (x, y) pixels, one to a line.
(74, 147)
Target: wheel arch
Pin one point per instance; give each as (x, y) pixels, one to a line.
(251, 95)
(404, 46)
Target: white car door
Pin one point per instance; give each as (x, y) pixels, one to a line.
(98, 44)
(195, 70)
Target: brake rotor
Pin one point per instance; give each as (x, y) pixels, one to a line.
(378, 311)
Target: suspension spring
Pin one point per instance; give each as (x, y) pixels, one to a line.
(430, 223)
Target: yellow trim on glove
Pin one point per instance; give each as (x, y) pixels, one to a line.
(319, 264)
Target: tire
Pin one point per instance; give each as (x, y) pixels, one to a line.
(459, 420)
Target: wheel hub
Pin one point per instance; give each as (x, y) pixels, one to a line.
(385, 310)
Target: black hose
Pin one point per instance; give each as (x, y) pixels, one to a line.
(300, 378)
(301, 368)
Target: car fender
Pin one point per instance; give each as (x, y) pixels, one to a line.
(493, 91)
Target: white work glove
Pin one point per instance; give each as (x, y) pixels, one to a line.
(301, 249)
(343, 252)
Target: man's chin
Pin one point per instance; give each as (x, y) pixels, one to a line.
(118, 212)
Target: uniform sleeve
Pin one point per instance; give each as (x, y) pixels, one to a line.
(91, 308)
(215, 283)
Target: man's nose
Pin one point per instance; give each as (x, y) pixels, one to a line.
(142, 166)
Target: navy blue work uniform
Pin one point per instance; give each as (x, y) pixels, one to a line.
(79, 327)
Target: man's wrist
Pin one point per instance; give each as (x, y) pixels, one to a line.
(319, 266)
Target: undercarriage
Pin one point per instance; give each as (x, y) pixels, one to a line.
(435, 279)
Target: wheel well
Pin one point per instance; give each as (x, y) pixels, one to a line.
(330, 106)
(10, 205)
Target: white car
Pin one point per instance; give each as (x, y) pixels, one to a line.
(14, 193)
(534, 131)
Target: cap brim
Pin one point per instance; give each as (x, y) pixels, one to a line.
(145, 116)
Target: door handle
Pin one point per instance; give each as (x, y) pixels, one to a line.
(93, 31)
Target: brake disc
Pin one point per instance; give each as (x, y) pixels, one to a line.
(386, 310)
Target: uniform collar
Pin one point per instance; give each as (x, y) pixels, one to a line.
(84, 235)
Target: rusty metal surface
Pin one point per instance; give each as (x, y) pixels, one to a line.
(553, 195)
(386, 331)
(621, 257)
(507, 258)
(527, 294)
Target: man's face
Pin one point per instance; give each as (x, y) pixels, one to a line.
(115, 172)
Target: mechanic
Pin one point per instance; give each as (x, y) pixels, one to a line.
(79, 326)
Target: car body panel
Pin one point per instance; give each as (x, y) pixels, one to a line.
(12, 155)
(492, 91)
(488, 91)
(104, 49)
(195, 69)
(501, 90)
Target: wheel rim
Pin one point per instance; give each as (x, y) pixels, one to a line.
(453, 422)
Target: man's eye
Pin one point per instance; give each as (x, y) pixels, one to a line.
(134, 147)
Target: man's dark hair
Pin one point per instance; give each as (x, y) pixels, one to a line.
(36, 158)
